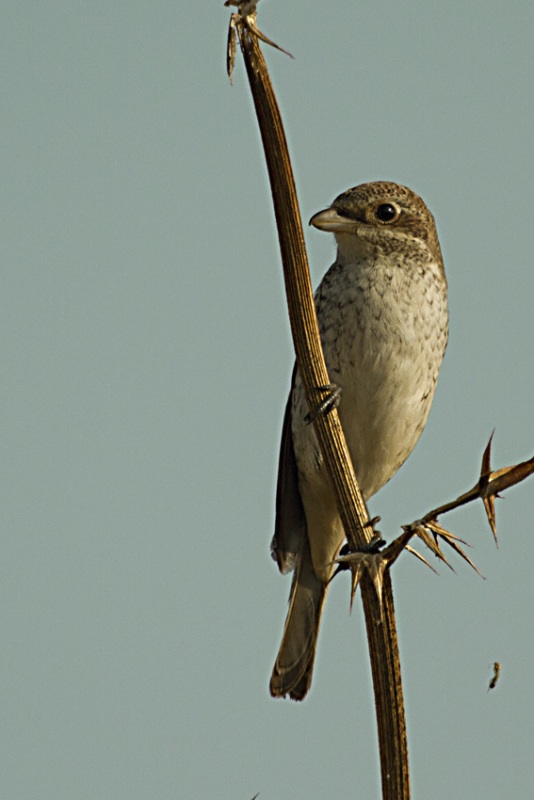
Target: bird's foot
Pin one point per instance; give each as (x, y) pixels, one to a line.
(344, 557)
(327, 405)
(368, 559)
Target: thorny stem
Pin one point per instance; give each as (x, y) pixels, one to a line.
(379, 609)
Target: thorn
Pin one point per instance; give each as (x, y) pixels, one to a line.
(439, 530)
(489, 506)
(245, 17)
(452, 540)
(375, 567)
(420, 557)
(231, 48)
(356, 574)
(488, 499)
(432, 544)
(461, 553)
(373, 563)
(251, 23)
(486, 458)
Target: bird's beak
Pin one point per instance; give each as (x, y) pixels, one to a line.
(330, 220)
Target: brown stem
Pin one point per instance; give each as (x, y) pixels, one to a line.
(386, 671)
(379, 611)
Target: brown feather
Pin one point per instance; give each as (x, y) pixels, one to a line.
(290, 523)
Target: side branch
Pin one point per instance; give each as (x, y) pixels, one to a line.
(488, 487)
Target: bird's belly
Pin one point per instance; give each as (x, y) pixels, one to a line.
(383, 416)
(385, 401)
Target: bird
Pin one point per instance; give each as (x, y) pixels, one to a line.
(383, 319)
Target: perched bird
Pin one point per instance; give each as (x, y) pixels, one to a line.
(383, 319)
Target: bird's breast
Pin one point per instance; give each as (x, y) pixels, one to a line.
(384, 332)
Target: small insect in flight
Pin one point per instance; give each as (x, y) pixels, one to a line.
(495, 676)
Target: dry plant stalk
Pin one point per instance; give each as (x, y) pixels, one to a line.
(377, 595)
(370, 569)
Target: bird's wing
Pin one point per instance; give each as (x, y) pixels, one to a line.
(290, 523)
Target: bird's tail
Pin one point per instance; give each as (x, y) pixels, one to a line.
(293, 668)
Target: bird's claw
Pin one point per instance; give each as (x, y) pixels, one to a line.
(327, 405)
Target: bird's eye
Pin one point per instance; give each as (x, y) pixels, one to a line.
(387, 212)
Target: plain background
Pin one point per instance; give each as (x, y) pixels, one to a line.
(146, 358)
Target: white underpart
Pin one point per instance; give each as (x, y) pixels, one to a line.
(383, 325)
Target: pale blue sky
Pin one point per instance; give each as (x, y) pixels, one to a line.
(146, 359)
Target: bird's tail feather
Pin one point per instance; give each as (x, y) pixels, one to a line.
(293, 668)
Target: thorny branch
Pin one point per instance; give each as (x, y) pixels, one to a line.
(489, 486)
